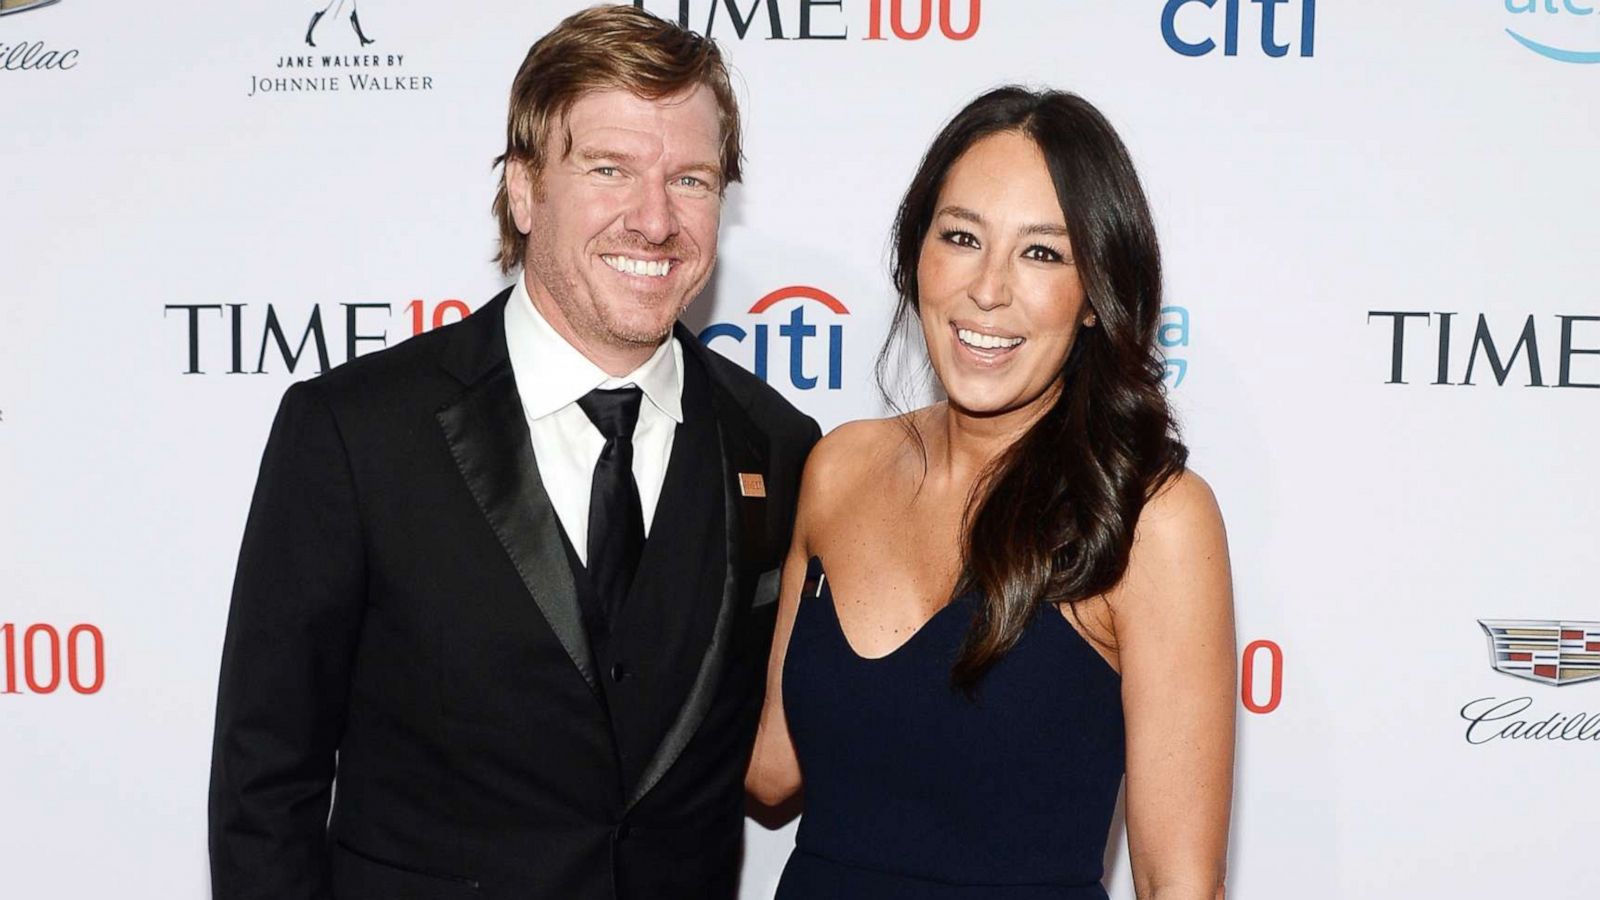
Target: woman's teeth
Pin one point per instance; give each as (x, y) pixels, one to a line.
(647, 267)
(986, 341)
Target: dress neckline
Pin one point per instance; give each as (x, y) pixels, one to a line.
(1075, 636)
(838, 625)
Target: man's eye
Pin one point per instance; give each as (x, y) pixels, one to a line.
(693, 182)
(606, 171)
(959, 238)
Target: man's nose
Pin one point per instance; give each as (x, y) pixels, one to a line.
(652, 216)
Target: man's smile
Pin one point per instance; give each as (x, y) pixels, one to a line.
(649, 268)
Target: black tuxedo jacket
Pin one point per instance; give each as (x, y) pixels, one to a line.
(410, 707)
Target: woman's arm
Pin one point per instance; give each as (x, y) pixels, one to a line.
(1173, 614)
(774, 773)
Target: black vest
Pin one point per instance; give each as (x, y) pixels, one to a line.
(648, 656)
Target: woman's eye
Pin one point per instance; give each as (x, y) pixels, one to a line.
(1041, 254)
(959, 238)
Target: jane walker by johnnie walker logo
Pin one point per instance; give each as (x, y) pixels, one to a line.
(323, 61)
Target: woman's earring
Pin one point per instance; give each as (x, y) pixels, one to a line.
(1091, 321)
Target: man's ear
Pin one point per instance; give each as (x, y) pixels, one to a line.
(522, 190)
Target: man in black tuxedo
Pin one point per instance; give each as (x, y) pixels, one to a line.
(507, 590)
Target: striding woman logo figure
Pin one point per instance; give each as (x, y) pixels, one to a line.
(337, 6)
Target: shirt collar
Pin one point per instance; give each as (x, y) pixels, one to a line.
(560, 374)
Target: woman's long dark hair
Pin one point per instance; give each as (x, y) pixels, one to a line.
(1052, 519)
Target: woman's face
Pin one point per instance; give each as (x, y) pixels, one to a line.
(999, 294)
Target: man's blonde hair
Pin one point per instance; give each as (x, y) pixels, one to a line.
(599, 49)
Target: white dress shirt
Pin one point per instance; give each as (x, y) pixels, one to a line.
(551, 376)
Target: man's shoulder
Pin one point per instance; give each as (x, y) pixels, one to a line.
(397, 368)
(768, 410)
(401, 376)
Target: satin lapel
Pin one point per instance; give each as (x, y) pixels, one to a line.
(488, 436)
(742, 451)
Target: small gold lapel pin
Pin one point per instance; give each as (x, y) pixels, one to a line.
(751, 484)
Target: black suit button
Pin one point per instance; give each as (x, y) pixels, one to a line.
(619, 674)
(623, 830)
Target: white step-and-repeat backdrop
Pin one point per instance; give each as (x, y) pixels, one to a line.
(1383, 333)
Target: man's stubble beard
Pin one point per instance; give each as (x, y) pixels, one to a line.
(596, 321)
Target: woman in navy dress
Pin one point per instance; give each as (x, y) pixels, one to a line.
(997, 606)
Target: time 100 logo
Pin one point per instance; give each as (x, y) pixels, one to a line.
(32, 660)
(1261, 677)
(822, 20)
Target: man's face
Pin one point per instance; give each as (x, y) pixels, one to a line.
(622, 231)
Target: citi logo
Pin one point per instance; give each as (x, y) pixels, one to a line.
(795, 333)
(1534, 16)
(1566, 341)
(824, 20)
(1193, 32)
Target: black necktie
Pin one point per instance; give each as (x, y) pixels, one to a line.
(616, 517)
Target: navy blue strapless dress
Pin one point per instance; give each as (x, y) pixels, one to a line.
(915, 792)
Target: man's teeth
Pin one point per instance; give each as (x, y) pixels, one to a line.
(652, 268)
(986, 341)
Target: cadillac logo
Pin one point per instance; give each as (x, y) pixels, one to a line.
(7, 7)
(1547, 651)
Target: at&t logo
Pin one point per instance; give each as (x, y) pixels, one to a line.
(1173, 336)
(1547, 28)
(794, 333)
(1194, 32)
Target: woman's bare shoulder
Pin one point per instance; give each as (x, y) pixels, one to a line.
(1184, 512)
(853, 456)
(1179, 554)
